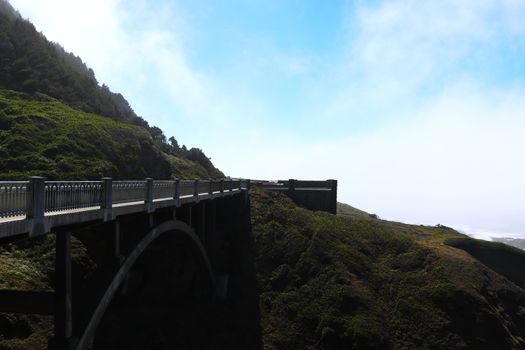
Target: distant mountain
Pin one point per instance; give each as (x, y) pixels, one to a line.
(48, 78)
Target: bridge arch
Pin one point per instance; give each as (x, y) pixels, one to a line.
(173, 226)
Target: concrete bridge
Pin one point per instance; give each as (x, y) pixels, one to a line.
(207, 218)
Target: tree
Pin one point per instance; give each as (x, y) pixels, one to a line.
(157, 134)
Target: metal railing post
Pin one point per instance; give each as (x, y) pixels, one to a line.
(106, 198)
(231, 185)
(36, 202)
(222, 187)
(210, 191)
(148, 199)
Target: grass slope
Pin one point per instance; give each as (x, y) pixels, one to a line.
(42, 136)
(349, 211)
(334, 282)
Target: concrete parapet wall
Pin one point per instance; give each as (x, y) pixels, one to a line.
(312, 195)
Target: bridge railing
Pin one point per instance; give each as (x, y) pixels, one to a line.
(36, 197)
(309, 194)
(203, 186)
(66, 195)
(235, 184)
(164, 189)
(295, 184)
(13, 198)
(128, 191)
(186, 187)
(216, 185)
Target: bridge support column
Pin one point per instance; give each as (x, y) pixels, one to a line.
(119, 259)
(151, 221)
(188, 216)
(202, 224)
(63, 322)
(198, 217)
(210, 218)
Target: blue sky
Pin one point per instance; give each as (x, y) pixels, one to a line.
(416, 107)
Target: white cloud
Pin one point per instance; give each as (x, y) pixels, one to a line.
(400, 52)
(461, 163)
(417, 39)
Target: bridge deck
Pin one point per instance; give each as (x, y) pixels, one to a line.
(36, 206)
(20, 224)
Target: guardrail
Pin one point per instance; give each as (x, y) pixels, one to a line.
(309, 194)
(293, 184)
(36, 206)
(13, 198)
(37, 197)
(66, 195)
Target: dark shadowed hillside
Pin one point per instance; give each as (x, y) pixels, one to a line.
(321, 282)
(335, 282)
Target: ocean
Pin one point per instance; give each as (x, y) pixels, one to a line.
(513, 239)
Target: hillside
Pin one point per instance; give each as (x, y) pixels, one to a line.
(57, 121)
(334, 282)
(313, 280)
(31, 63)
(42, 136)
(349, 211)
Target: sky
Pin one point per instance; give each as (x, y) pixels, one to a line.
(416, 107)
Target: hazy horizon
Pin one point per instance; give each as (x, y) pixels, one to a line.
(417, 108)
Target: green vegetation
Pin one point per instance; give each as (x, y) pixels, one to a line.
(349, 211)
(31, 63)
(333, 282)
(29, 266)
(42, 136)
(61, 94)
